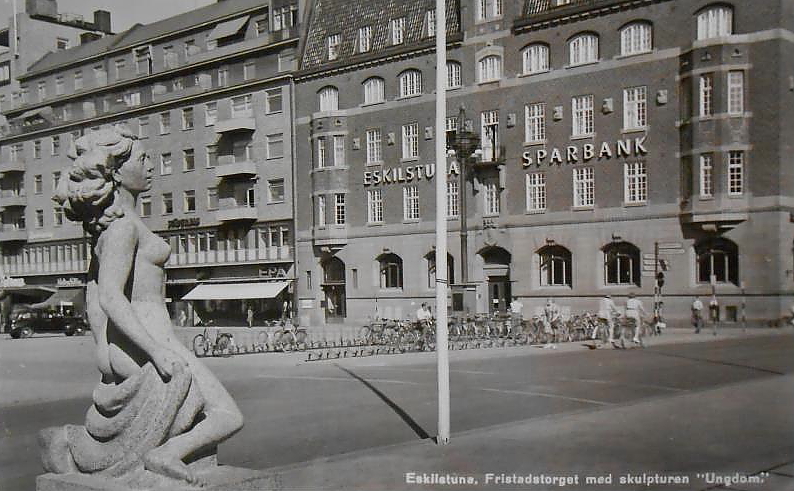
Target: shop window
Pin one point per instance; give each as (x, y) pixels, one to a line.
(555, 266)
(621, 264)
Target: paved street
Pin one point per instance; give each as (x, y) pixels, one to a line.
(674, 408)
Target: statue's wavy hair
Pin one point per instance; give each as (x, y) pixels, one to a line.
(86, 190)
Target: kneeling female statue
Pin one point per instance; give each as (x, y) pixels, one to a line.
(156, 408)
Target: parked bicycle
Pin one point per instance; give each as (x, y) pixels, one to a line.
(210, 343)
(290, 338)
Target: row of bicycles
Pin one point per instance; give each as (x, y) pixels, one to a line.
(286, 339)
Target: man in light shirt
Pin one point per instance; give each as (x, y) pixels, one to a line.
(423, 315)
(697, 314)
(635, 310)
(551, 316)
(607, 310)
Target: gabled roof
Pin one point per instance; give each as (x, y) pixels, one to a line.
(345, 17)
(140, 33)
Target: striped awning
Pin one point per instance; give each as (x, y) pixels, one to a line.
(228, 28)
(236, 291)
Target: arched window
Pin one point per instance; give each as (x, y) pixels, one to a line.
(718, 258)
(373, 90)
(555, 266)
(583, 49)
(333, 271)
(410, 83)
(715, 21)
(391, 271)
(490, 68)
(431, 269)
(621, 264)
(536, 58)
(453, 75)
(329, 99)
(636, 38)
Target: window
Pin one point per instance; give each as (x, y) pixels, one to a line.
(333, 46)
(714, 22)
(38, 181)
(635, 179)
(36, 149)
(143, 127)
(491, 197)
(57, 215)
(364, 39)
(78, 80)
(165, 163)
(165, 123)
(717, 258)
(340, 212)
(42, 90)
(706, 176)
(583, 49)
(450, 126)
(454, 80)
(273, 101)
(536, 192)
(735, 93)
(374, 90)
(622, 264)
(583, 187)
(397, 30)
(490, 68)
(535, 122)
(61, 44)
(242, 106)
(410, 141)
(453, 199)
(187, 118)
(636, 38)
(275, 146)
(146, 206)
(411, 203)
(489, 135)
(373, 146)
(143, 60)
(16, 152)
(190, 201)
(100, 75)
(430, 22)
(375, 206)
(329, 99)
(5, 72)
(241, 150)
(489, 9)
(212, 155)
(132, 99)
(60, 85)
(582, 111)
(735, 173)
(39, 218)
(285, 17)
(391, 271)
(339, 150)
(223, 77)
(210, 113)
(119, 65)
(275, 191)
(188, 160)
(169, 57)
(56, 145)
(212, 198)
(536, 58)
(321, 213)
(262, 26)
(635, 108)
(706, 95)
(168, 203)
(555, 266)
(322, 154)
(56, 178)
(410, 83)
(249, 70)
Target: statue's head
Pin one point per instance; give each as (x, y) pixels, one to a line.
(103, 161)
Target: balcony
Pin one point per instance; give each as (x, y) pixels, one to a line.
(491, 158)
(8, 200)
(13, 234)
(247, 123)
(10, 166)
(241, 212)
(248, 44)
(227, 167)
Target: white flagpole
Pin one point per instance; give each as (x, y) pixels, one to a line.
(442, 283)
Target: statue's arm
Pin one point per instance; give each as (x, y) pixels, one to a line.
(115, 265)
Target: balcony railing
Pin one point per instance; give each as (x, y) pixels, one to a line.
(13, 234)
(228, 167)
(74, 266)
(235, 124)
(241, 212)
(12, 166)
(8, 200)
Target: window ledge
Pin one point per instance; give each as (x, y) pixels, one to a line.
(634, 204)
(409, 159)
(410, 220)
(412, 96)
(368, 104)
(535, 212)
(586, 63)
(374, 224)
(275, 202)
(706, 198)
(736, 196)
(583, 137)
(529, 74)
(583, 208)
(373, 164)
(490, 82)
(535, 143)
(643, 129)
(632, 55)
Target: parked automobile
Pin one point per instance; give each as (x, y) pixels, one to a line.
(26, 322)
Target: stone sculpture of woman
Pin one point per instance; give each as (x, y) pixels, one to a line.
(156, 408)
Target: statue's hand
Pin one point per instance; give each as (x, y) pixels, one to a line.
(167, 363)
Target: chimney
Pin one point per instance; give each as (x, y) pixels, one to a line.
(44, 8)
(102, 21)
(87, 37)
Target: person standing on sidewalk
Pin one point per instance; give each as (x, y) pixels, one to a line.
(516, 313)
(697, 314)
(635, 310)
(714, 312)
(607, 311)
(551, 316)
(249, 317)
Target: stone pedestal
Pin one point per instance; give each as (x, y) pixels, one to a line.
(220, 478)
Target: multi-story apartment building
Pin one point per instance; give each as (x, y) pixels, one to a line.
(33, 33)
(617, 139)
(208, 92)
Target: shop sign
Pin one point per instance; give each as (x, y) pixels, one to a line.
(67, 282)
(273, 272)
(411, 173)
(573, 154)
(184, 222)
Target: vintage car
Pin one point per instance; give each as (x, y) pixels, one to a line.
(26, 322)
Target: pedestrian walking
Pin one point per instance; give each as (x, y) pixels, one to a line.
(635, 310)
(714, 312)
(551, 315)
(697, 314)
(249, 317)
(516, 312)
(607, 311)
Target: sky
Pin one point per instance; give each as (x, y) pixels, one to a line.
(123, 13)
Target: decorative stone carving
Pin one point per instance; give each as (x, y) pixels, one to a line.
(157, 412)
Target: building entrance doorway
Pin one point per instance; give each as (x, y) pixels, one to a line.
(334, 290)
(498, 294)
